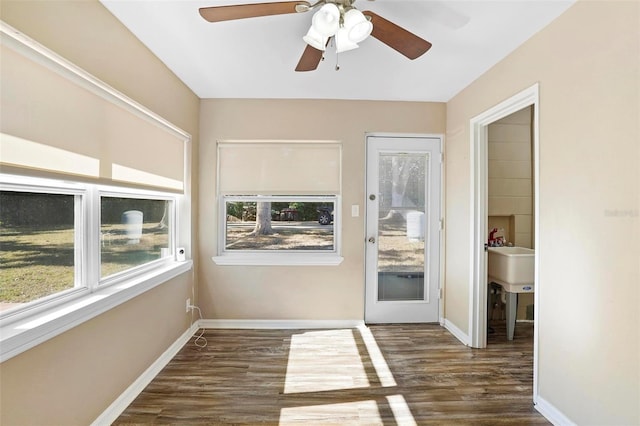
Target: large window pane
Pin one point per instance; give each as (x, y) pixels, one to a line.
(401, 235)
(274, 225)
(37, 246)
(133, 232)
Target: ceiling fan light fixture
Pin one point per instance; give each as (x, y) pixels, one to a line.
(326, 21)
(357, 25)
(315, 39)
(343, 42)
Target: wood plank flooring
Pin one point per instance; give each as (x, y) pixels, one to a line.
(383, 374)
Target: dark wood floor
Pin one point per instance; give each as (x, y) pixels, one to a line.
(386, 374)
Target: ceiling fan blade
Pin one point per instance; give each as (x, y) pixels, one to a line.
(310, 59)
(405, 42)
(241, 11)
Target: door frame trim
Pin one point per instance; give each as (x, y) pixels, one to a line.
(479, 200)
(441, 242)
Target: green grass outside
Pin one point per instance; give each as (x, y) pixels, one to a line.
(38, 263)
(35, 263)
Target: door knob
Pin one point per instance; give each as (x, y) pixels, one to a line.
(372, 240)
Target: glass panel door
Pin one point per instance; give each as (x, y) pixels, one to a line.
(403, 229)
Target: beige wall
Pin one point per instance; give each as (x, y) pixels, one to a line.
(328, 292)
(510, 178)
(72, 378)
(587, 65)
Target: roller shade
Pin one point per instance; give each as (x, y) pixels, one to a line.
(55, 120)
(279, 168)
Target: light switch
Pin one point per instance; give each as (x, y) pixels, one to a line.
(355, 210)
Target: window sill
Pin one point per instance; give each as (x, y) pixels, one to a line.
(21, 335)
(279, 259)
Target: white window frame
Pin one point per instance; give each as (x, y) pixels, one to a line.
(44, 318)
(19, 333)
(279, 257)
(40, 186)
(142, 195)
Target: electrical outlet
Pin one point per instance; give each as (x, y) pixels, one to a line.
(188, 304)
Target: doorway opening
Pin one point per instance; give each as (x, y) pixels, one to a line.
(510, 225)
(478, 315)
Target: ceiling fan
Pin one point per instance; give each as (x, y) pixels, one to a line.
(334, 19)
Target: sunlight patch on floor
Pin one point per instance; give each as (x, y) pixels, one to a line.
(360, 412)
(401, 411)
(377, 359)
(330, 360)
(324, 361)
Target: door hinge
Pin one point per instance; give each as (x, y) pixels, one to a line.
(442, 224)
(442, 157)
(440, 294)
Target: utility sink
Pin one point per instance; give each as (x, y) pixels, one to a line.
(512, 268)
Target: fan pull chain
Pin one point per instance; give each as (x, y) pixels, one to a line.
(337, 64)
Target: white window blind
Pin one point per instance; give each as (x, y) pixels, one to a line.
(279, 168)
(55, 118)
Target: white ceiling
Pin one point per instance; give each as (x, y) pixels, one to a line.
(256, 57)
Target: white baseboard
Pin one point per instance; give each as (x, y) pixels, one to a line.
(457, 333)
(279, 324)
(551, 413)
(118, 406)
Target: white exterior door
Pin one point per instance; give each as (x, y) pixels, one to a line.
(403, 229)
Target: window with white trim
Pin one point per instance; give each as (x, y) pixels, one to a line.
(40, 243)
(46, 245)
(83, 167)
(279, 202)
(279, 224)
(134, 231)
